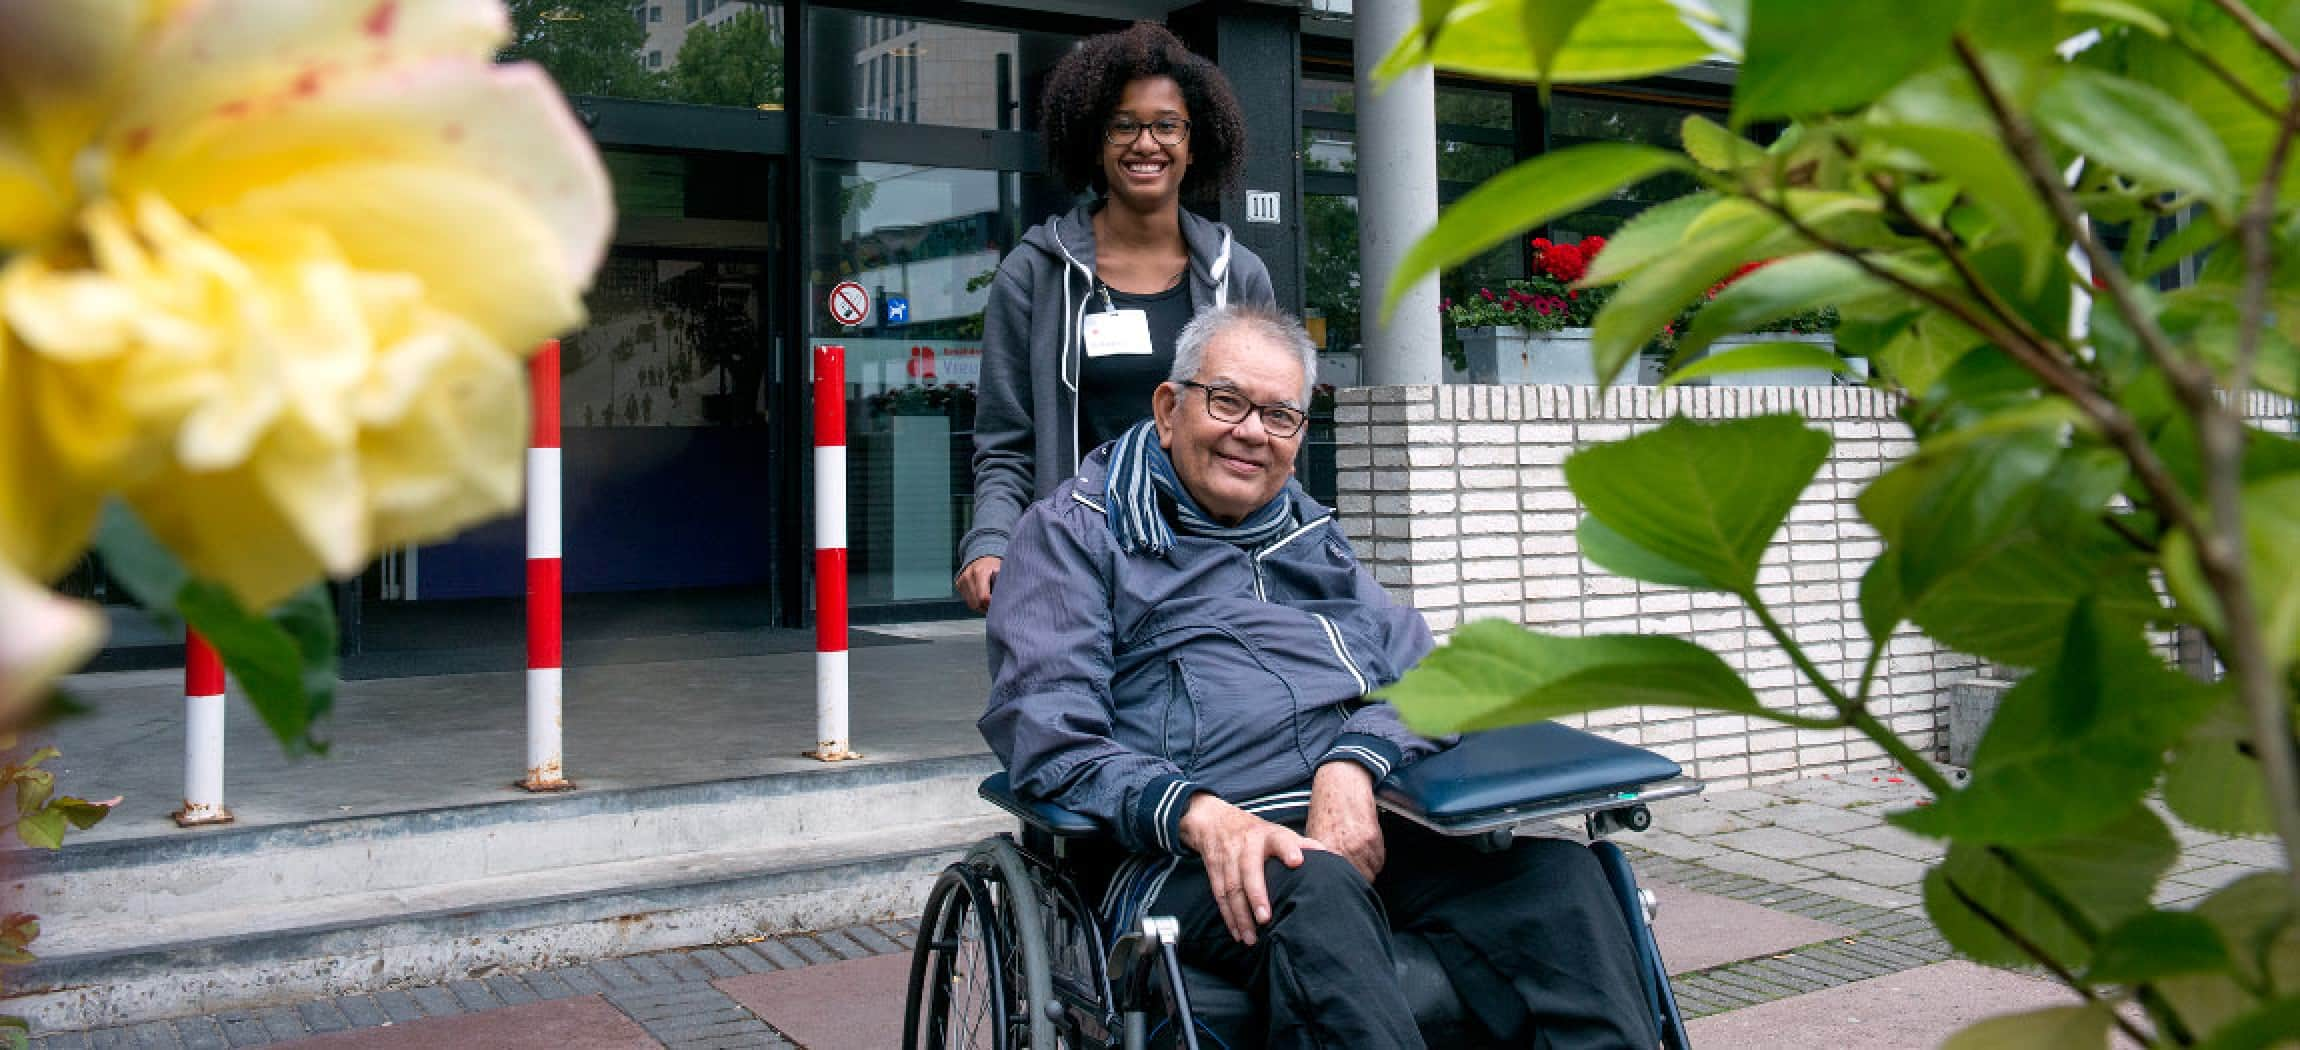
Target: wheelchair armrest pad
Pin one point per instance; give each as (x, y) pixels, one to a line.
(1519, 766)
(1045, 816)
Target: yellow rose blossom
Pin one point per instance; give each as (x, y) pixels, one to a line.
(267, 271)
(46, 636)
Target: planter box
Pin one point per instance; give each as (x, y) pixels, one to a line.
(1785, 376)
(1518, 357)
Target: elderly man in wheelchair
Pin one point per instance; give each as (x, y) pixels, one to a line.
(1224, 841)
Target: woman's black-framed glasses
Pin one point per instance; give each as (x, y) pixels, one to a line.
(1165, 131)
(1229, 406)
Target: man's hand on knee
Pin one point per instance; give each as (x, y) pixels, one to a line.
(1235, 844)
(1344, 819)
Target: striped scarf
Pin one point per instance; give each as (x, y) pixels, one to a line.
(1140, 472)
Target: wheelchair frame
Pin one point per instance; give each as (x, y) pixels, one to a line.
(989, 973)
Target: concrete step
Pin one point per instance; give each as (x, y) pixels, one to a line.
(825, 849)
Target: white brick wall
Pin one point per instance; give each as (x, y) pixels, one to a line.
(1456, 499)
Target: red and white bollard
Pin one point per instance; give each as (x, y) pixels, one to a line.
(546, 758)
(831, 555)
(203, 734)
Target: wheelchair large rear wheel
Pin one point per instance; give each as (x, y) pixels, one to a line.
(960, 997)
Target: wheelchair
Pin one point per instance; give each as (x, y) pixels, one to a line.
(1011, 955)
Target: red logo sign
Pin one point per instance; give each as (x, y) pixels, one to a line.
(921, 362)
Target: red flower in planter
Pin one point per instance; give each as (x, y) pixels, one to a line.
(1563, 261)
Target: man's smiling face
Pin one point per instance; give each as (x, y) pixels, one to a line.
(1232, 469)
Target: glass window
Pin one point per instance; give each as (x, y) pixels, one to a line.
(950, 75)
(924, 243)
(1331, 276)
(1576, 119)
(719, 55)
(1460, 111)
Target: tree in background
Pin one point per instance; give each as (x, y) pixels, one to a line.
(738, 62)
(591, 47)
(1993, 194)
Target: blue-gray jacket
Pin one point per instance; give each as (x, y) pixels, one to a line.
(1121, 684)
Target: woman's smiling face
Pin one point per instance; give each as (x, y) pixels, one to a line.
(1143, 172)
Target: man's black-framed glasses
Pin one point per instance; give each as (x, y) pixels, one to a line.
(1165, 131)
(1229, 406)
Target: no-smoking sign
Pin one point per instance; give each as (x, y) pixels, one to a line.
(849, 303)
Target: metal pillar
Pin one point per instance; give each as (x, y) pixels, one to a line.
(1397, 200)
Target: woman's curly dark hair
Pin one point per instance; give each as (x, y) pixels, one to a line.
(1087, 84)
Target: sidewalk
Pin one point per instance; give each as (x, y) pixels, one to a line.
(1790, 916)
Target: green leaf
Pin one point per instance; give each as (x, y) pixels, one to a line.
(2072, 746)
(2142, 132)
(1527, 195)
(82, 813)
(2208, 320)
(2203, 231)
(33, 788)
(2105, 873)
(2157, 944)
(1917, 358)
(2131, 14)
(2267, 1028)
(1615, 554)
(1616, 40)
(43, 830)
(2052, 1028)
(1492, 673)
(1807, 58)
(1654, 233)
(1705, 496)
(2008, 605)
(2214, 780)
(1760, 357)
(1991, 179)
(1969, 494)
(1717, 149)
(2261, 929)
(284, 663)
(2272, 547)
(1882, 605)
(1547, 25)
(1790, 286)
(1716, 242)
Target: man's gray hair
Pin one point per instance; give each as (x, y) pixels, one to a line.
(1269, 322)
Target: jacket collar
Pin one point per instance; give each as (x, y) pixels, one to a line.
(1094, 470)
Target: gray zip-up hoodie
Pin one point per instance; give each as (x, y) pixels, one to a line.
(1123, 684)
(1026, 418)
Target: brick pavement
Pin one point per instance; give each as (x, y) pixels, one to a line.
(1838, 889)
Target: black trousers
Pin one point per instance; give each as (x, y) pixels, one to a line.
(1531, 937)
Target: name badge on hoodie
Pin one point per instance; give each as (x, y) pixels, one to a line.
(1113, 333)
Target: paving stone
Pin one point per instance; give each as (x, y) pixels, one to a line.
(2170, 894)
(718, 962)
(510, 989)
(843, 946)
(1702, 821)
(666, 1000)
(1894, 841)
(1750, 866)
(398, 1005)
(1882, 870)
(321, 1015)
(651, 969)
(748, 957)
(361, 1011)
(1776, 843)
(473, 995)
(904, 933)
(66, 1041)
(1776, 972)
(742, 1026)
(114, 1039)
(1751, 989)
(779, 953)
(618, 974)
(1874, 896)
(154, 1035)
(1817, 819)
(870, 937)
(681, 966)
(810, 950)
(436, 1000)
(2214, 876)
(241, 1028)
(1673, 844)
(549, 984)
(583, 979)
